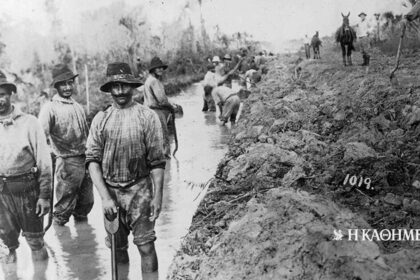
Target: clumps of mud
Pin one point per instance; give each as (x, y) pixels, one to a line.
(287, 234)
(335, 149)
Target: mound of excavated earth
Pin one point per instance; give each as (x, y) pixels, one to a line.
(313, 156)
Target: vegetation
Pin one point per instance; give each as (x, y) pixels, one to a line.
(127, 37)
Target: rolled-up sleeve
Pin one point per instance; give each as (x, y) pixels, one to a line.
(46, 118)
(95, 141)
(154, 142)
(42, 157)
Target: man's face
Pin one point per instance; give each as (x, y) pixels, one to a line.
(4, 100)
(122, 93)
(65, 88)
(362, 17)
(159, 71)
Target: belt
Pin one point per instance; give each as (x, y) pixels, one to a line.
(18, 177)
(20, 183)
(124, 185)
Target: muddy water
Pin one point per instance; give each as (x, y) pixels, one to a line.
(78, 251)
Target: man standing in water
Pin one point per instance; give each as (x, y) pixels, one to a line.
(228, 102)
(126, 161)
(156, 99)
(64, 123)
(25, 177)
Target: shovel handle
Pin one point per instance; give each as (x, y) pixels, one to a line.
(397, 61)
(114, 266)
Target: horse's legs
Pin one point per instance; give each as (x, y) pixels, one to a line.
(343, 51)
(349, 54)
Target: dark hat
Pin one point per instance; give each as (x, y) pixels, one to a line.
(156, 63)
(61, 73)
(4, 82)
(362, 13)
(119, 72)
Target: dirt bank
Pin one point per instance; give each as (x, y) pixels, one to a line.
(281, 190)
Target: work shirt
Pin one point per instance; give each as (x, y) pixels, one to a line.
(154, 88)
(363, 28)
(22, 146)
(209, 79)
(220, 94)
(64, 123)
(128, 143)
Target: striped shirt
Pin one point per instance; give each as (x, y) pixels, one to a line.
(64, 123)
(23, 146)
(128, 143)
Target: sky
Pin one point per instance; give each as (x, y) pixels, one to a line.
(274, 21)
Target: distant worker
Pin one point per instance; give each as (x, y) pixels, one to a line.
(316, 43)
(156, 99)
(228, 102)
(364, 39)
(210, 82)
(307, 44)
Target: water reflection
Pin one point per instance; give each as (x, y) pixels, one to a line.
(78, 247)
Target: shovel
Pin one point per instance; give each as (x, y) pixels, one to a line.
(112, 223)
(175, 134)
(50, 215)
(392, 76)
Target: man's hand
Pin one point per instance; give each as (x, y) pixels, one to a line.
(42, 207)
(155, 207)
(109, 206)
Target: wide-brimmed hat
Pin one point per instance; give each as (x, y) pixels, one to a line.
(5, 83)
(119, 72)
(362, 13)
(227, 57)
(215, 59)
(61, 73)
(156, 63)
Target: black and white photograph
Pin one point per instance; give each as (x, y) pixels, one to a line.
(210, 140)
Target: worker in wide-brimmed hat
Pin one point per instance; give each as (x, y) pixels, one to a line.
(126, 161)
(364, 38)
(25, 177)
(66, 128)
(155, 97)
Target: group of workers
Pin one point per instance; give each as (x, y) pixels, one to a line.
(123, 154)
(226, 77)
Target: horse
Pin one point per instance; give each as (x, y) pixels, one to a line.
(346, 35)
(316, 43)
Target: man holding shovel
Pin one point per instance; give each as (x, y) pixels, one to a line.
(126, 160)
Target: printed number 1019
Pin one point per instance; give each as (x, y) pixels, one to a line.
(358, 181)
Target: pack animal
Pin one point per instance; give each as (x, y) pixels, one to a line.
(346, 36)
(316, 43)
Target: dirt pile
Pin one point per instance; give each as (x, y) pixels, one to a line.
(335, 149)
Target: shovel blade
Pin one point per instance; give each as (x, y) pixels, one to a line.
(112, 223)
